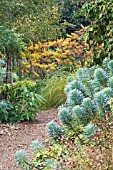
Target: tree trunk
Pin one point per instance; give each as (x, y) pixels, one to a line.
(10, 69)
(7, 76)
(7, 70)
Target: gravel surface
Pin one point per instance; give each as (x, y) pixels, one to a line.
(20, 136)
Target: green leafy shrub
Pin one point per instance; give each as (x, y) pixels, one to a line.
(7, 112)
(24, 99)
(99, 34)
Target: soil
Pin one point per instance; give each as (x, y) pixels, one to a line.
(14, 137)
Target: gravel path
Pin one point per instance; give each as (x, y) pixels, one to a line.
(20, 136)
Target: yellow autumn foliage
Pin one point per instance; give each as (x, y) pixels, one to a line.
(43, 57)
(37, 75)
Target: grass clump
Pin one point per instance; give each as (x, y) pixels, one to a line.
(52, 89)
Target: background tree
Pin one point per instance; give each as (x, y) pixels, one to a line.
(99, 34)
(71, 14)
(36, 21)
(41, 58)
(10, 47)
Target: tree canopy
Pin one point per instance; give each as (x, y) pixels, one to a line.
(36, 21)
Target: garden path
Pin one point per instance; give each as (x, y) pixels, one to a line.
(20, 136)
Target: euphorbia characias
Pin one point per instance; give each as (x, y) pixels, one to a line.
(87, 97)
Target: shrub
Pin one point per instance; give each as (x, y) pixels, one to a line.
(87, 97)
(99, 34)
(7, 112)
(21, 157)
(87, 114)
(24, 99)
(41, 58)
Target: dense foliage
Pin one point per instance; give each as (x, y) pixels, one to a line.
(99, 34)
(10, 46)
(36, 57)
(87, 96)
(52, 90)
(35, 21)
(41, 58)
(23, 102)
(7, 112)
(71, 14)
(85, 125)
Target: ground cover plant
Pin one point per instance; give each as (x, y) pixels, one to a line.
(7, 111)
(83, 137)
